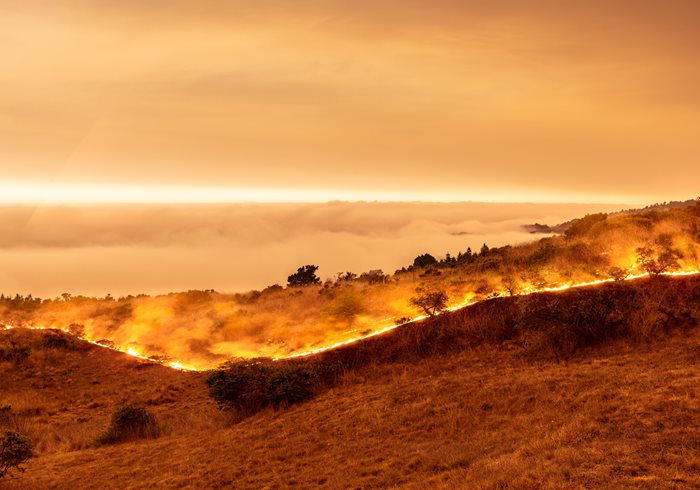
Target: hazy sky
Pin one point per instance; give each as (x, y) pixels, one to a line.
(593, 100)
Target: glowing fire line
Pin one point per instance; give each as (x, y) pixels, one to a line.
(470, 303)
(130, 351)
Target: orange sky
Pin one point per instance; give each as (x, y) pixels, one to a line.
(589, 100)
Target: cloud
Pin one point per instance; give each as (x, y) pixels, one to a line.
(158, 249)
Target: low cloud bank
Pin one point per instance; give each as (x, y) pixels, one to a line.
(154, 249)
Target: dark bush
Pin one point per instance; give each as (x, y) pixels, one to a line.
(304, 276)
(582, 318)
(5, 415)
(618, 273)
(250, 386)
(15, 353)
(290, 385)
(129, 423)
(241, 385)
(424, 260)
(59, 340)
(15, 450)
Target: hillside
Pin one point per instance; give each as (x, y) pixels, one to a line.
(502, 412)
(202, 329)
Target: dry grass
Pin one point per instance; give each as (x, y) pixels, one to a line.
(626, 418)
(205, 328)
(624, 413)
(64, 398)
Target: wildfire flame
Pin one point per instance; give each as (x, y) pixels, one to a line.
(467, 303)
(131, 351)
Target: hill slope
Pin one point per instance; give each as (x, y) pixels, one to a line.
(622, 414)
(623, 418)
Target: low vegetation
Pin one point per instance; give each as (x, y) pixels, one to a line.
(546, 326)
(206, 328)
(129, 423)
(15, 450)
(14, 353)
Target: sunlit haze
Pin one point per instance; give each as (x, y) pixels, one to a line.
(543, 101)
(37, 193)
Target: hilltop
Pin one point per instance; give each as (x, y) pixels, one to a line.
(614, 410)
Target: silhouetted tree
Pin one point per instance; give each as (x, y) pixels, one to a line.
(510, 283)
(431, 303)
(424, 260)
(655, 264)
(618, 273)
(304, 276)
(375, 276)
(346, 276)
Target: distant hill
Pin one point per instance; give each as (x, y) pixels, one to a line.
(562, 227)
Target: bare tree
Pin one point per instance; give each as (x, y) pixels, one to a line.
(432, 303)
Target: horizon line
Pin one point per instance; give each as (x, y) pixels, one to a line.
(23, 193)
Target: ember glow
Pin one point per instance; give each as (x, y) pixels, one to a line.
(131, 351)
(459, 306)
(225, 144)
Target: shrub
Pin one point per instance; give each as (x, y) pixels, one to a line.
(241, 385)
(250, 386)
(129, 423)
(76, 330)
(15, 353)
(290, 385)
(59, 340)
(618, 273)
(580, 319)
(15, 450)
(347, 305)
(5, 415)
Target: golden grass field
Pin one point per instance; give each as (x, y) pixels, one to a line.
(625, 414)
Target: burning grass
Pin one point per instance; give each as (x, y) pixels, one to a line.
(553, 325)
(620, 415)
(202, 329)
(581, 387)
(63, 398)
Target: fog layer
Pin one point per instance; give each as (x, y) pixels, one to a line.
(121, 250)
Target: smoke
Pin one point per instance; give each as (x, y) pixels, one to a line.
(202, 328)
(157, 249)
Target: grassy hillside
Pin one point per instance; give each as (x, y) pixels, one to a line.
(592, 388)
(205, 328)
(63, 393)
